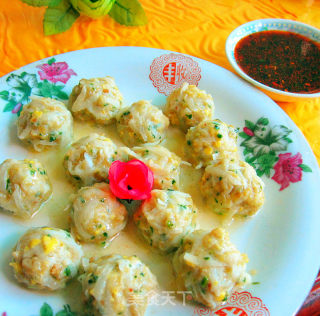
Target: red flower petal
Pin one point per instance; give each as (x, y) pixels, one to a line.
(55, 72)
(248, 131)
(130, 180)
(287, 169)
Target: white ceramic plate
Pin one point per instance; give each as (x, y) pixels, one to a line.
(282, 241)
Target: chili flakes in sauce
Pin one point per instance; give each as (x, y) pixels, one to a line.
(281, 60)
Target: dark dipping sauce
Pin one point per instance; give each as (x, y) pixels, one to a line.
(282, 60)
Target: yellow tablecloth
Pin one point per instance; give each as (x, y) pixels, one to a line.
(194, 27)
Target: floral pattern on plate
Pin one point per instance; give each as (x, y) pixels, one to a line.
(238, 304)
(26, 84)
(262, 146)
(46, 310)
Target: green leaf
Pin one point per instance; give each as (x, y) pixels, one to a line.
(30, 79)
(305, 168)
(128, 12)
(244, 135)
(21, 86)
(93, 8)
(243, 144)
(4, 95)
(267, 160)
(58, 19)
(54, 3)
(286, 129)
(267, 172)
(56, 91)
(9, 106)
(46, 89)
(246, 151)
(249, 124)
(51, 61)
(46, 310)
(62, 95)
(266, 163)
(250, 159)
(260, 172)
(66, 311)
(37, 3)
(263, 121)
(41, 3)
(287, 139)
(15, 81)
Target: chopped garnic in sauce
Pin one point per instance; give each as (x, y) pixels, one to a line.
(282, 60)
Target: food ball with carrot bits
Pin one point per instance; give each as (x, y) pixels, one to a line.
(164, 164)
(46, 258)
(188, 106)
(88, 160)
(210, 266)
(166, 219)
(45, 123)
(142, 123)
(97, 215)
(232, 188)
(116, 285)
(97, 99)
(24, 186)
(210, 141)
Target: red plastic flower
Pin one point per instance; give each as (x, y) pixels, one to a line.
(131, 180)
(287, 169)
(55, 72)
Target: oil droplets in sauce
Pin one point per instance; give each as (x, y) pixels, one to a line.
(281, 60)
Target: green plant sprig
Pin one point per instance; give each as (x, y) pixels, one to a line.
(61, 14)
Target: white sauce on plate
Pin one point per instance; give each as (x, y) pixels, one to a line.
(55, 212)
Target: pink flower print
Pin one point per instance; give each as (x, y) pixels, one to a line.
(248, 131)
(4, 314)
(56, 72)
(17, 108)
(287, 169)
